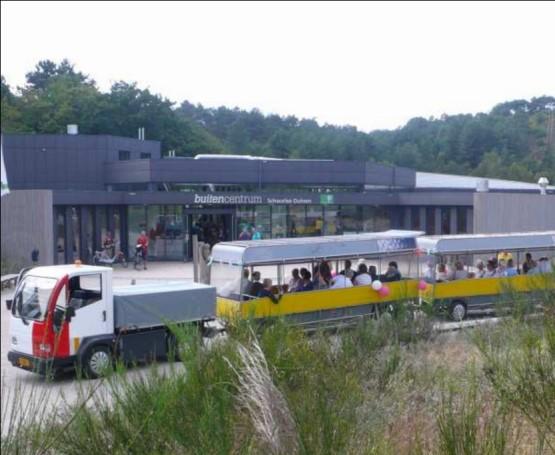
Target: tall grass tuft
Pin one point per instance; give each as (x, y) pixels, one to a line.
(266, 406)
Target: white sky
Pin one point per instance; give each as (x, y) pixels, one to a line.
(369, 65)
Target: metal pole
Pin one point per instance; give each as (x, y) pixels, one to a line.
(195, 258)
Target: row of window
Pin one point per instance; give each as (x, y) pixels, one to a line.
(125, 155)
(81, 230)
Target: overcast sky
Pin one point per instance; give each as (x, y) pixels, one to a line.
(369, 65)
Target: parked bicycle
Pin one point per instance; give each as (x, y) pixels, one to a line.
(103, 258)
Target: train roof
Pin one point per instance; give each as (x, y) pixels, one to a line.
(298, 249)
(467, 243)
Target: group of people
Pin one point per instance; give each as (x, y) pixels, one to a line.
(501, 266)
(321, 277)
(251, 233)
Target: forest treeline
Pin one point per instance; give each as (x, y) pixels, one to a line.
(515, 140)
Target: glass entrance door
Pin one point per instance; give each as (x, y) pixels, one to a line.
(210, 228)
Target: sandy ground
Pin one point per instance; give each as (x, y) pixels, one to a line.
(68, 389)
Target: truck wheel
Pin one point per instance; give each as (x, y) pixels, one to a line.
(97, 361)
(458, 310)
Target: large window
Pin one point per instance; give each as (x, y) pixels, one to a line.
(296, 224)
(430, 221)
(445, 220)
(136, 222)
(279, 221)
(350, 217)
(75, 220)
(60, 236)
(375, 219)
(262, 221)
(165, 231)
(314, 220)
(116, 227)
(102, 224)
(88, 231)
(461, 220)
(331, 220)
(415, 219)
(245, 218)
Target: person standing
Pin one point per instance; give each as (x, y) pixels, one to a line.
(35, 256)
(109, 246)
(143, 242)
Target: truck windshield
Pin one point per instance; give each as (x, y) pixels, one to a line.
(31, 298)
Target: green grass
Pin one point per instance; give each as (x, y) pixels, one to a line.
(387, 386)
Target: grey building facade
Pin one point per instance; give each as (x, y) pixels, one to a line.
(80, 188)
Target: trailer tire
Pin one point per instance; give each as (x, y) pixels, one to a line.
(97, 361)
(457, 310)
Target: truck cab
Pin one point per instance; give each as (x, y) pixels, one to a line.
(56, 312)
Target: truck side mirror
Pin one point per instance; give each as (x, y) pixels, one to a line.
(9, 303)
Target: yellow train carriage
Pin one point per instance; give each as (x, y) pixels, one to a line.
(276, 258)
(532, 276)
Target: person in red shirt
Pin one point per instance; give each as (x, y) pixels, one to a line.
(143, 241)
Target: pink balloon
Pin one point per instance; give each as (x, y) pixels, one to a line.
(384, 291)
(422, 285)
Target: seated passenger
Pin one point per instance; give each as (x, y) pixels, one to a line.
(306, 281)
(266, 290)
(491, 270)
(528, 263)
(325, 274)
(348, 271)
(392, 273)
(460, 273)
(341, 281)
(501, 267)
(256, 286)
(510, 270)
(246, 283)
(429, 273)
(363, 277)
(544, 266)
(441, 274)
(481, 272)
(295, 280)
(316, 277)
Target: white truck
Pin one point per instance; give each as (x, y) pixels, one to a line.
(69, 316)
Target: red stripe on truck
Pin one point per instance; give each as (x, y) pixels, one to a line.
(46, 342)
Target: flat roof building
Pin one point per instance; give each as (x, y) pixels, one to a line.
(69, 191)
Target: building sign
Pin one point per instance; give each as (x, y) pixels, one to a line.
(326, 199)
(396, 244)
(227, 199)
(288, 200)
(232, 199)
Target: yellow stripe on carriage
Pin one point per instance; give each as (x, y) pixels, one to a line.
(312, 301)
